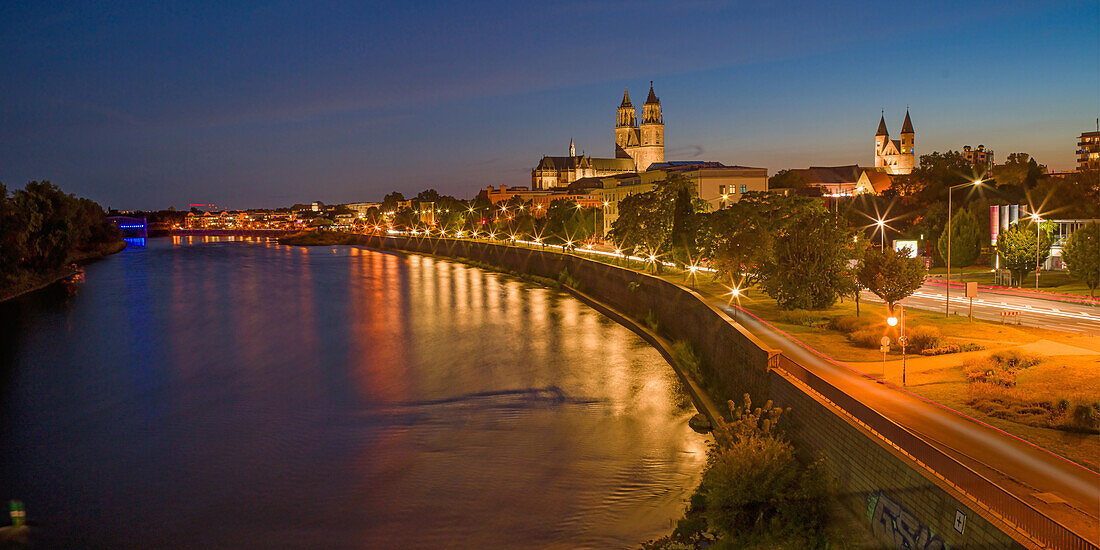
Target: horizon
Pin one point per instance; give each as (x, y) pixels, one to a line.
(144, 108)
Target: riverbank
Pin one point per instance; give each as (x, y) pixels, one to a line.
(32, 282)
(320, 238)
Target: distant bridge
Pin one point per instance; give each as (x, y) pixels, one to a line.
(130, 227)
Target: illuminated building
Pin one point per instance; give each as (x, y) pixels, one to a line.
(979, 158)
(1088, 151)
(636, 148)
(896, 156)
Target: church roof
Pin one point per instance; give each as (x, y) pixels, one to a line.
(907, 127)
(882, 125)
(626, 99)
(880, 180)
(572, 163)
(816, 175)
(652, 97)
(583, 185)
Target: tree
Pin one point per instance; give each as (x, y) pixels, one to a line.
(786, 179)
(664, 221)
(890, 274)
(1017, 248)
(1019, 172)
(807, 265)
(389, 202)
(737, 239)
(1082, 256)
(965, 239)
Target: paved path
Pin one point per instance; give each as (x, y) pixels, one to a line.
(1016, 465)
(1034, 311)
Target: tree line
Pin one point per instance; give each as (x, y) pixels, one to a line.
(42, 228)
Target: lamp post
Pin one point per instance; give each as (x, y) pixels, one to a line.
(899, 321)
(1035, 218)
(947, 290)
(882, 233)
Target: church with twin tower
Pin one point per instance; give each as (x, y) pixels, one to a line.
(636, 148)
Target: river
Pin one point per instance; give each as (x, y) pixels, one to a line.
(217, 393)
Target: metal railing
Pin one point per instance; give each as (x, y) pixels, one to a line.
(1004, 504)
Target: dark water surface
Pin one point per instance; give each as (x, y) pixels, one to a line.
(249, 395)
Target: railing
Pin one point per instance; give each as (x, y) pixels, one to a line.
(999, 501)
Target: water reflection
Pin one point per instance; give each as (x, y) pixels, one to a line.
(207, 393)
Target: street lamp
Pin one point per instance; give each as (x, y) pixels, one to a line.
(894, 320)
(882, 233)
(947, 291)
(1035, 218)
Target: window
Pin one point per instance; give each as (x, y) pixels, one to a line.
(744, 188)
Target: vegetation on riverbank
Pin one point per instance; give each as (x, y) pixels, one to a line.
(321, 237)
(757, 492)
(43, 230)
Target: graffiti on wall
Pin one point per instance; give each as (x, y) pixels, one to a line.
(895, 526)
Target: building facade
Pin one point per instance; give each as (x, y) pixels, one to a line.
(636, 148)
(1088, 151)
(896, 156)
(979, 158)
(716, 183)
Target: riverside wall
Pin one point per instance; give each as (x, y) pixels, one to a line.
(900, 501)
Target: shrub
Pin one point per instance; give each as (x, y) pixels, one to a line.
(799, 317)
(866, 337)
(849, 324)
(942, 350)
(1000, 367)
(922, 338)
(1086, 416)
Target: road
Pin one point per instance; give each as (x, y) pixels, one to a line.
(1033, 311)
(1017, 466)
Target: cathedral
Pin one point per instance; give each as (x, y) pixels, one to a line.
(896, 156)
(636, 148)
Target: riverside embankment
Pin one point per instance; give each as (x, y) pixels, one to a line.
(909, 490)
(39, 281)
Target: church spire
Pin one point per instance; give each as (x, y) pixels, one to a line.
(572, 150)
(626, 99)
(882, 124)
(907, 127)
(652, 99)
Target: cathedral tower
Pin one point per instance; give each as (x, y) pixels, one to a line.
(881, 137)
(626, 130)
(652, 146)
(908, 147)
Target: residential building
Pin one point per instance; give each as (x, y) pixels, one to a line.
(1088, 151)
(979, 158)
(896, 156)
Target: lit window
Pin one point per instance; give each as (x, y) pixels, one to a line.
(744, 188)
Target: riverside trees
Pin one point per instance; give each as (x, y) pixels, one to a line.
(41, 227)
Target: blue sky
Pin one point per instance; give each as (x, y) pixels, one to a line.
(268, 104)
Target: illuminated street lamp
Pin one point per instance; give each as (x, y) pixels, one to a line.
(898, 320)
(882, 233)
(947, 290)
(1035, 218)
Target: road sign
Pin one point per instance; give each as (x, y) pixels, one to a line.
(971, 290)
(885, 341)
(903, 341)
(884, 349)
